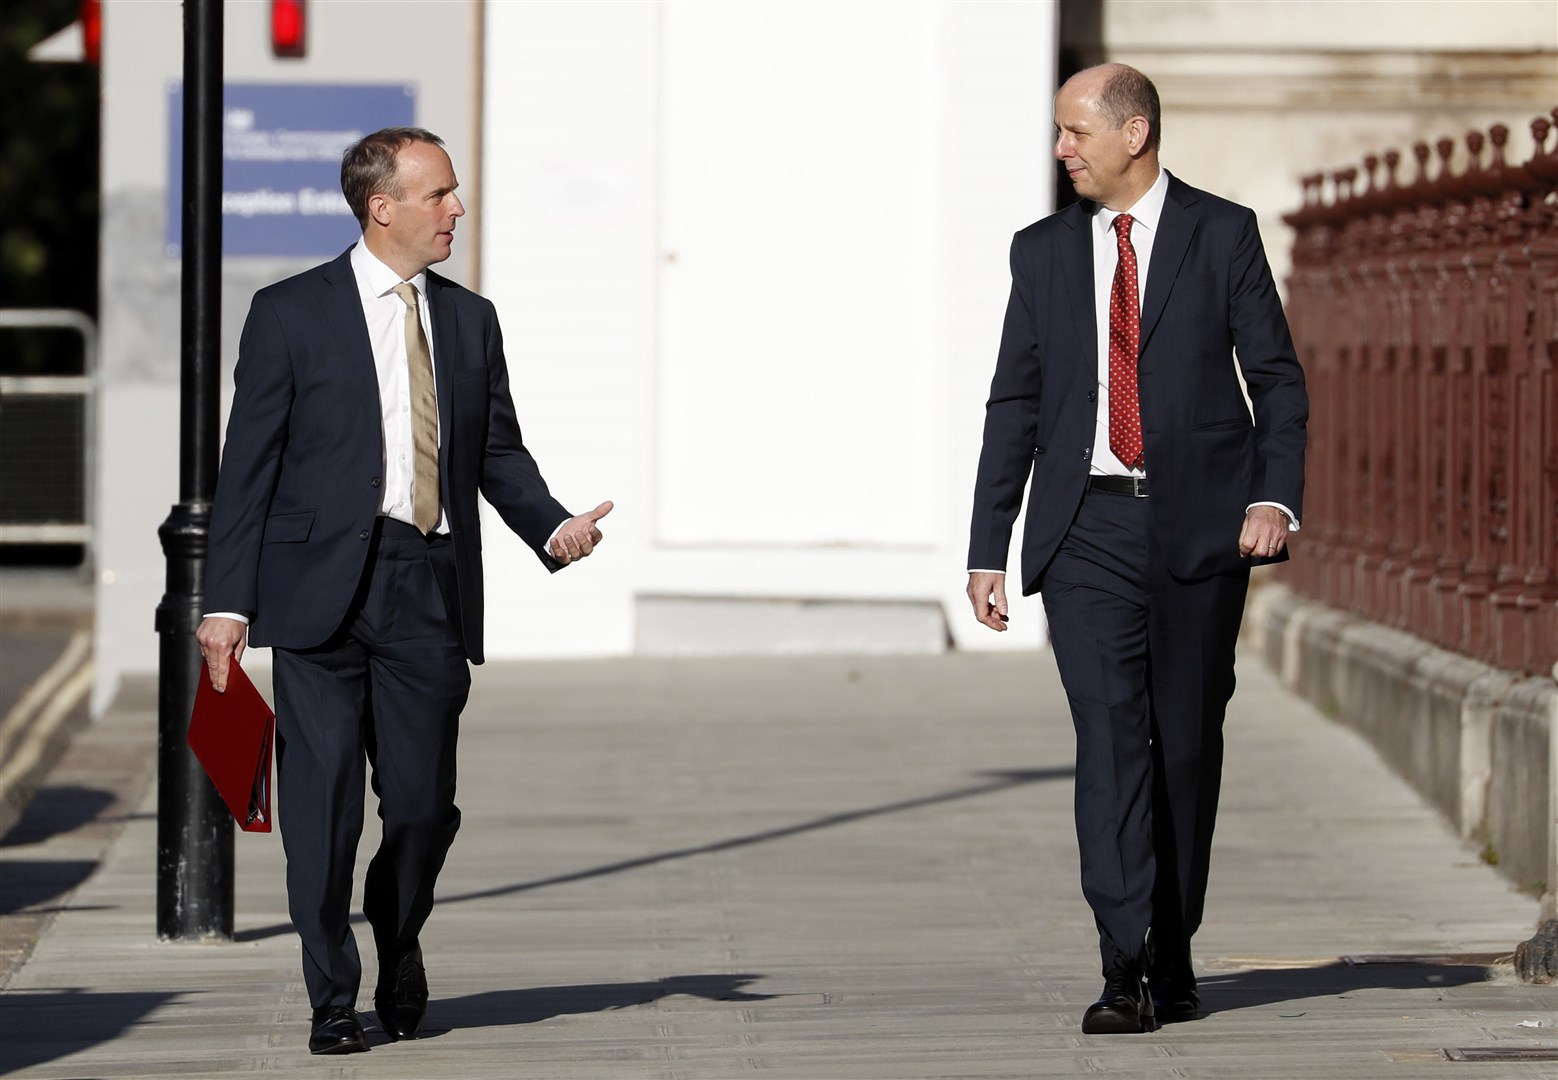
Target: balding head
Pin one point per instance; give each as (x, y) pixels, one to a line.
(1120, 92)
(1106, 121)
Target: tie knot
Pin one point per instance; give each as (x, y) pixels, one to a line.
(407, 292)
(1122, 225)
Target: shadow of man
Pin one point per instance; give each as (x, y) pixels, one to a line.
(40, 1026)
(1256, 987)
(531, 1005)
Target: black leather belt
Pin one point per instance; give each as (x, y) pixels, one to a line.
(1134, 486)
(402, 530)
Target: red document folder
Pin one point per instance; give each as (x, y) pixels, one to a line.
(231, 735)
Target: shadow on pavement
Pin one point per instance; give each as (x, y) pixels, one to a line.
(1230, 991)
(57, 810)
(38, 1027)
(505, 1008)
(1000, 780)
(26, 883)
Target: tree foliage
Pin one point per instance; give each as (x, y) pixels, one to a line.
(49, 167)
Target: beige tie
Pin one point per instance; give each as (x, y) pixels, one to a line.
(424, 415)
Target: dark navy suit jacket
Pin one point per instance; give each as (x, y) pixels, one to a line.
(299, 486)
(1209, 293)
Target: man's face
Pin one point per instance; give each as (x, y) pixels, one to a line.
(421, 222)
(1097, 156)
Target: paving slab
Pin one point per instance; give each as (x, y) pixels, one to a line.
(814, 868)
(45, 673)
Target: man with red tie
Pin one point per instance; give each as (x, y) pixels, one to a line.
(1154, 489)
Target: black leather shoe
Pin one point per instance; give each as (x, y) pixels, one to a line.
(401, 994)
(336, 1031)
(1172, 982)
(1176, 1003)
(1125, 1007)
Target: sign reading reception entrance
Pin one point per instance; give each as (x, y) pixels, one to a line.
(281, 163)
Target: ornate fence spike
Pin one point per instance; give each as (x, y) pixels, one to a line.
(1498, 135)
(1444, 183)
(1315, 182)
(1346, 180)
(1421, 152)
(1544, 162)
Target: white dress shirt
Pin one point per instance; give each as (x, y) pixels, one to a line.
(385, 314)
(1146, 215)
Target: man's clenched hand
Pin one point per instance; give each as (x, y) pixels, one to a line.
(1265, 532)
(221, 641)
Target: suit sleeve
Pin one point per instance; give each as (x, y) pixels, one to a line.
(1271, 371)
(510, 479)
(251, 460)
(1011, 426)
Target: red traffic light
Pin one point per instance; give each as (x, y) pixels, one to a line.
(288, 27)
(91, 14)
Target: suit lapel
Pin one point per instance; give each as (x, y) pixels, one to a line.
(1175, 229)
(343, 313)
(446, 338)
(1077, 251)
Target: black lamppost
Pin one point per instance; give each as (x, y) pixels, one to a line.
(194, 829)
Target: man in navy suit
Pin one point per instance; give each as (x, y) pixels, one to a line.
(1154, 488)
(371, 405)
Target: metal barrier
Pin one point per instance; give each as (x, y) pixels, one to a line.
(48, 441)
(1426, 315)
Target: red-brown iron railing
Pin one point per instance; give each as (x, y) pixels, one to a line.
(1426, 316)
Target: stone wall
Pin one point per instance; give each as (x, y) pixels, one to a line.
(1478, 743)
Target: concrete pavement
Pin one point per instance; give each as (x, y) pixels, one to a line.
(45, 674)
(821, 868)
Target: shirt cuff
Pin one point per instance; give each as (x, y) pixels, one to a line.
(227, 615)
(978, 571)
(1292, 518)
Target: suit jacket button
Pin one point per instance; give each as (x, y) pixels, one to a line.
(1092, 395)
(363, 535)
(374, 482)
(1088, 453)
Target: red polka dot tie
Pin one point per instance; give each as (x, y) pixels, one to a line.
(1124, 345)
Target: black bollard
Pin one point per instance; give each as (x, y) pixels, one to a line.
(194, 829)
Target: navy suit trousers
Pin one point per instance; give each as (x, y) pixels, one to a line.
(1147, 665)
(384, 693)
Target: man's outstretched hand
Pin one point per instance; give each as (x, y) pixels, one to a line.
(221, 642)
(987, 592)
(578, 535)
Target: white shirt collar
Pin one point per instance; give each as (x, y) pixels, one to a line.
(1147, 212)
(374, 279)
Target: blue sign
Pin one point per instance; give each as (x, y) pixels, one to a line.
(281, 163)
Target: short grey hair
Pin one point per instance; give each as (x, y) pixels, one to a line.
(1129, 93)
(368, 166)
